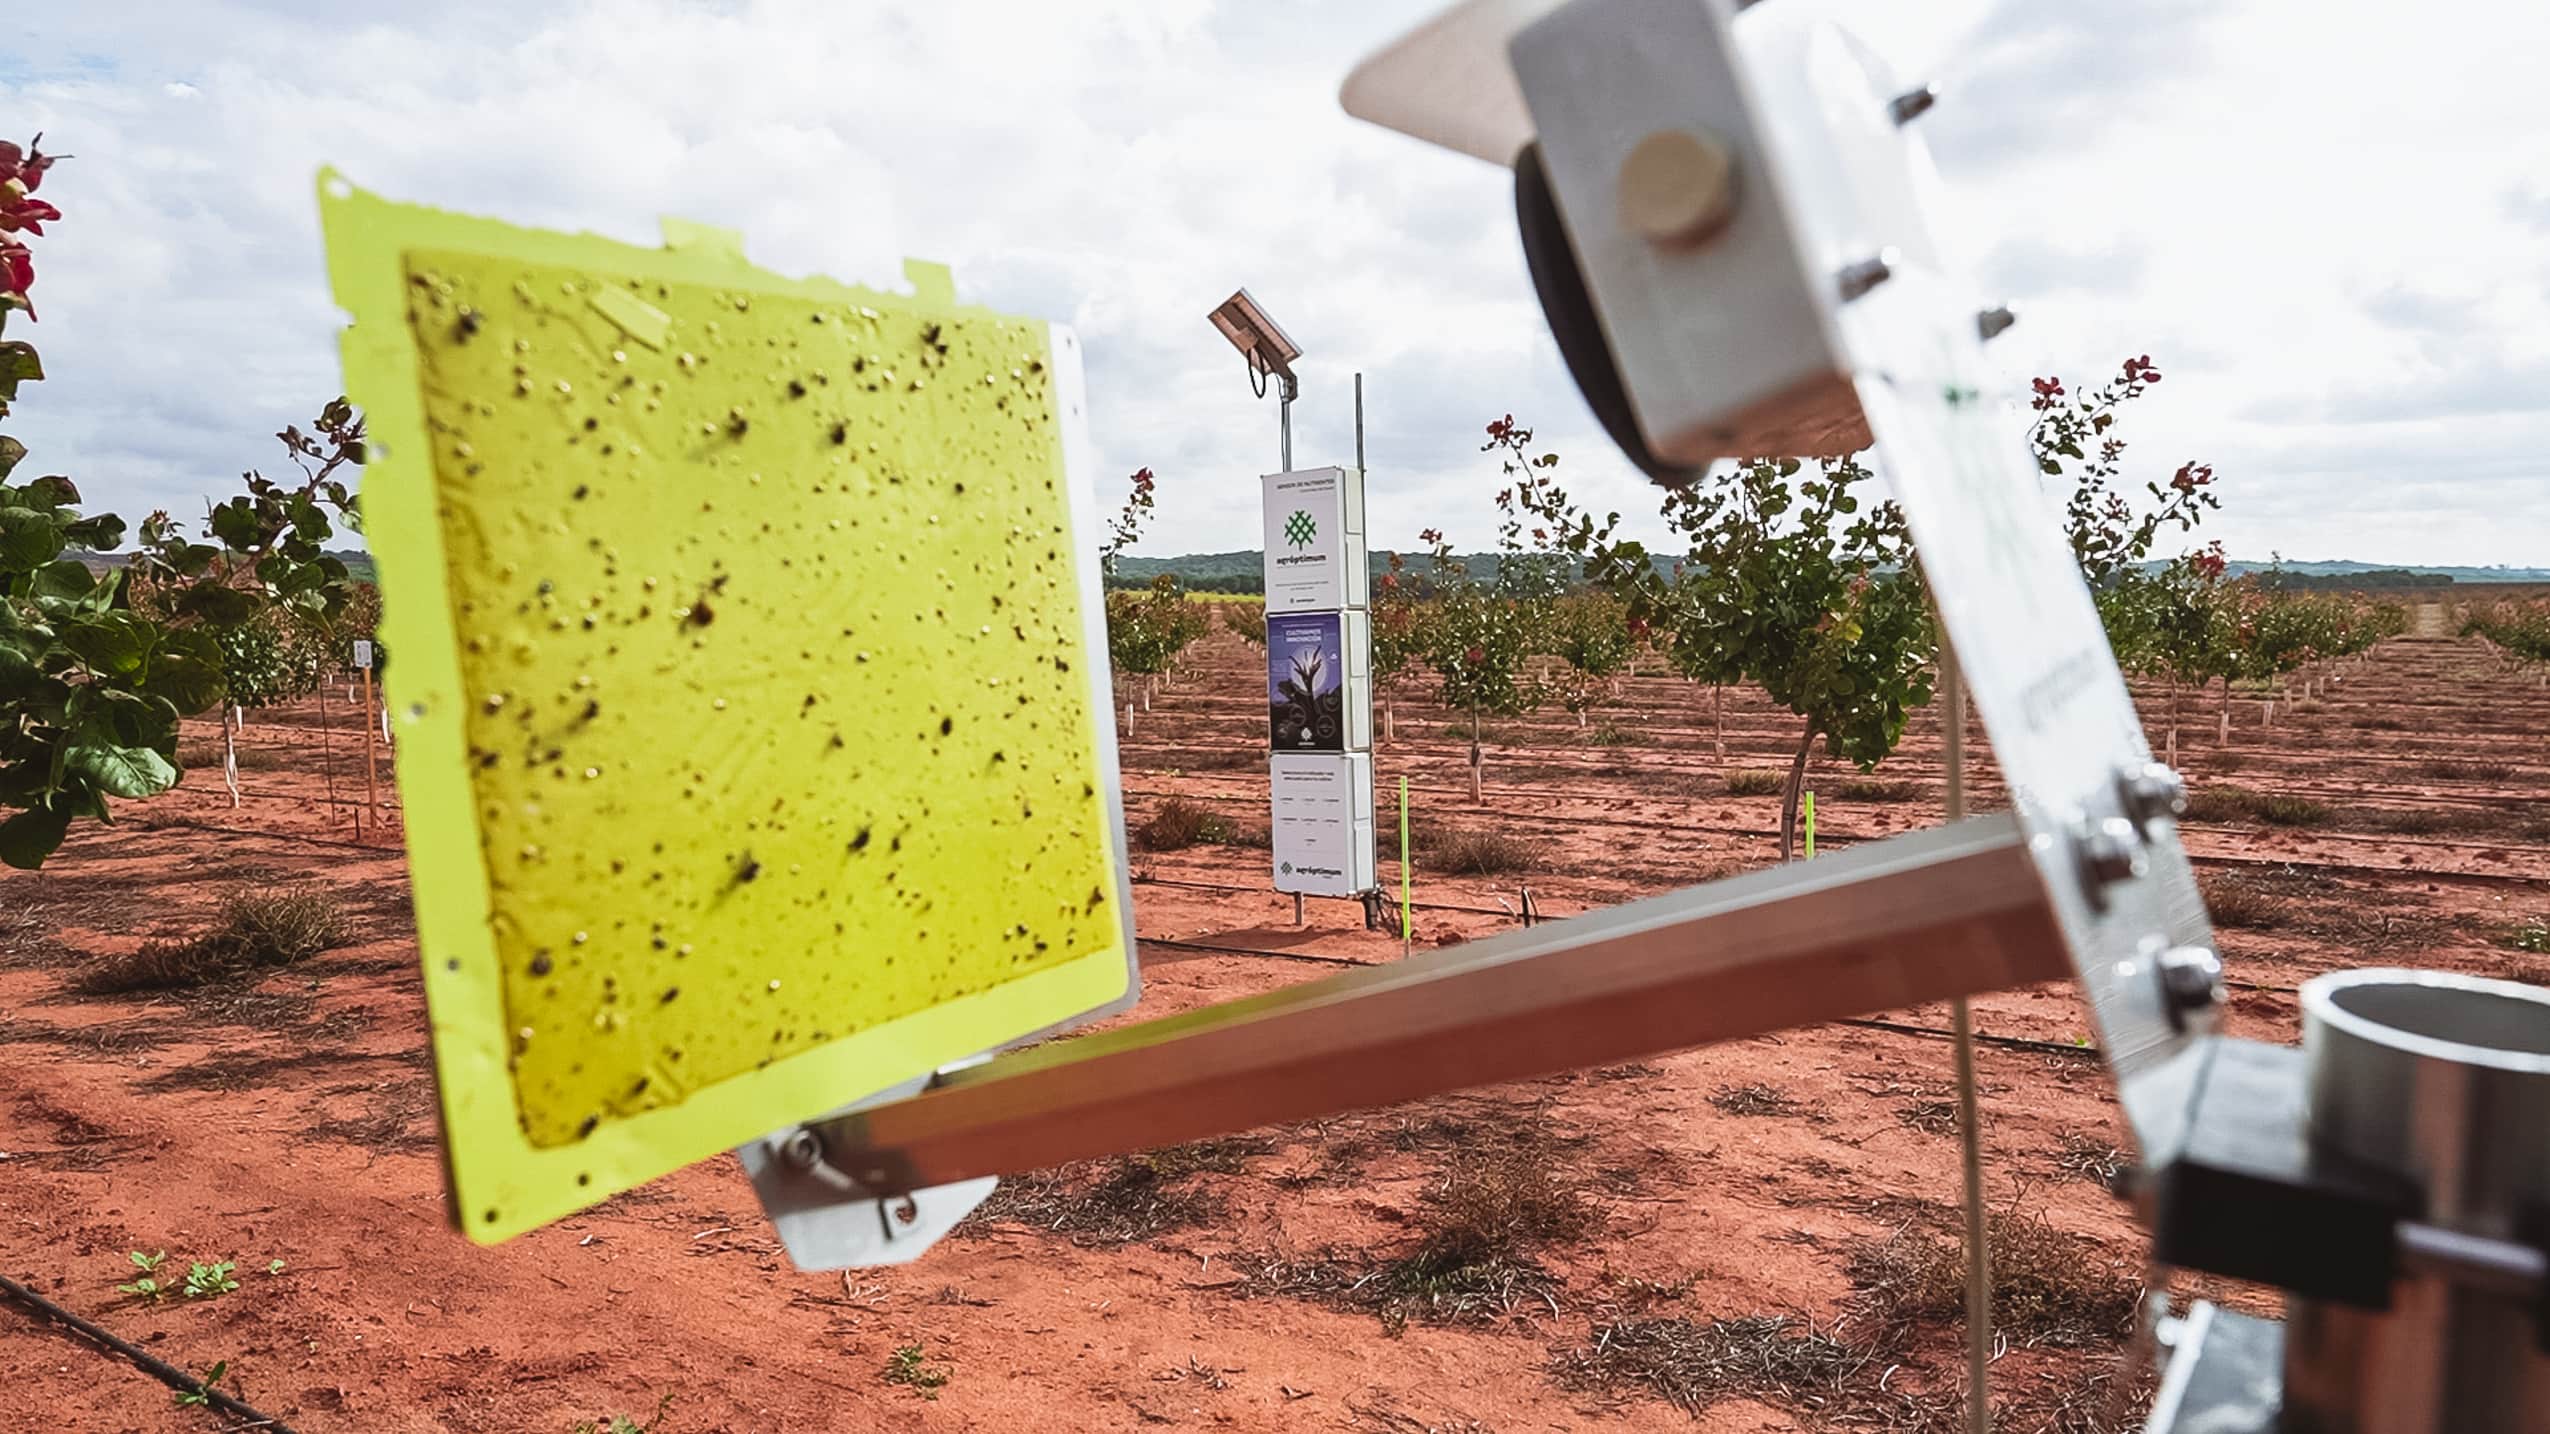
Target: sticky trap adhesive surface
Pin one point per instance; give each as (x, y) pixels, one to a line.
(751, 684)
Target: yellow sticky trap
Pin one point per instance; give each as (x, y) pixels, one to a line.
(751, 681)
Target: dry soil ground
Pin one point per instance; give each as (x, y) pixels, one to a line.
(1750, 1237)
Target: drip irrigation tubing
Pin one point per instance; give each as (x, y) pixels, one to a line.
(143, 1360)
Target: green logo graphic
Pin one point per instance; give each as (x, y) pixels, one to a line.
(1300, 529)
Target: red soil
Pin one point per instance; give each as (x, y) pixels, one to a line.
(292, 1118)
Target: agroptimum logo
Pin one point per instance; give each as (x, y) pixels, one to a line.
(1301, 529)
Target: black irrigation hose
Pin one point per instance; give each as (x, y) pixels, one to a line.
(142, 1359)
(1307, 957)
(165, 823)
(1228, 889)
(2014, 1043)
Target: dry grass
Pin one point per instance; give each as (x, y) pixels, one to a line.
(1177, 823)
(1693, 1364)
(2407, 821)
(2048, 1287)
(1612, 734)
(1478, 1227)
(1479, 853)
(2445, 769)
(1873, 789)
(1745, 782)
(1930, 1117)
(258, 929)
(22, 928)
(2087, 1158)
(1758, 1100)
(2243, 903)
(1124, 1200)
(2233, 804)
(206, 757)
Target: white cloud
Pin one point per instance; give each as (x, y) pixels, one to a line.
(2328, 231)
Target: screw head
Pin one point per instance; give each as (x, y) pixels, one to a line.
(801, 1148)
(1993, 322)
(1912, 104)
(1677, 188)
(1857, 279)
(2110, 851)
(906, 1210)
(2190, 983)
(2151, 791)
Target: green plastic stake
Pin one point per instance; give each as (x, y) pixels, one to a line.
(1810, 824)
(1404, 927)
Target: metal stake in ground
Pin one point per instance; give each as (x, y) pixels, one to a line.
(1952, 696)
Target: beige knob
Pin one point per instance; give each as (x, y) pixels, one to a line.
(1676, 187)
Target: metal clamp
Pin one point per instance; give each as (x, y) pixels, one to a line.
(828, 1219)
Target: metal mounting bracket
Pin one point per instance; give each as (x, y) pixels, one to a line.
(828, 1220)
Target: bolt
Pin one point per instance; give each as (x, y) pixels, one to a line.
(2110, 851)
(2151, 791)
(1912, 104)
(2190, 983)
(801, 1148)
(1857, 279)
(1677, 188)
(1993, 322)
(906, 1210)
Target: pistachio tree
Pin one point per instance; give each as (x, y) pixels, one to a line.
(1788, 580)
(92, 682)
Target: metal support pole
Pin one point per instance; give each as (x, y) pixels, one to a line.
(1952, 694)
(1286, 391)
(1884, 925)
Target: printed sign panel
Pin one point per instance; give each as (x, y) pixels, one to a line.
(1318, 682)
(1323, 829)
(1315, 540)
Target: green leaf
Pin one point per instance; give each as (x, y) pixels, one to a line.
(18, 363)
(65, 581)
(123, 771)
(237, 525)
(113, 643)
(29, 538)
(191, 560)
(11, 450)
(186, 671)
(103, 533)
(30, 836)
(216, 604)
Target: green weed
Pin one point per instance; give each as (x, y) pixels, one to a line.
(147, 1285)
(204, 1282)
(623, 1424)
(905, 1368)
(201, 1394)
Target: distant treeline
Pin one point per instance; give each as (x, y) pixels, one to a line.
(1245, 572)
(2374, 580)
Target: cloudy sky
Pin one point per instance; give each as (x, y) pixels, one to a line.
(2329, 223)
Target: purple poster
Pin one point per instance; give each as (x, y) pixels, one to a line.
(1305, 682)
